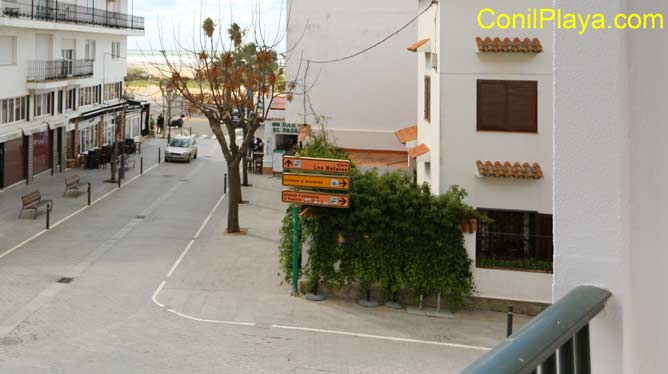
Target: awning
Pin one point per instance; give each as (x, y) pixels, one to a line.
(10, 133)
(407, 134)
(35, 128)
(423, 45)
(507, 45)
(103, 109)
(57, 124)
(509, 170)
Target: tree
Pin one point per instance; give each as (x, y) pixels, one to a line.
(234, 86)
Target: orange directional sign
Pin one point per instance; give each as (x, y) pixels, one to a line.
(316, 181)
(316, 164)
(316, 199)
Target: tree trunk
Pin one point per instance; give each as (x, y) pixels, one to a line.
(234, 198)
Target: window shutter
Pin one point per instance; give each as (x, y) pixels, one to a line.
(492, 105)
(522, 106)
(427, 98)
(507, 105)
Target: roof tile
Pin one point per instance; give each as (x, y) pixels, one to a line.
(414, 47)
(418, 151)
(509, 170)
(407, 134)
(508, 45)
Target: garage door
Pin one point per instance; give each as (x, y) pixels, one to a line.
(13, 163)
(41, 152)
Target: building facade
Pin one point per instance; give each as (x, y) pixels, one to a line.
(363, 99)
(485, 124)
(62, 65)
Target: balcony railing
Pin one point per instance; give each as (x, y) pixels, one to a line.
(59, 69)
(559, 334)
(57, 11)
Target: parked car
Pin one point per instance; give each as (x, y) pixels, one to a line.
(181, 148)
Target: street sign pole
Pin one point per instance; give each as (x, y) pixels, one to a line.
(295, 250)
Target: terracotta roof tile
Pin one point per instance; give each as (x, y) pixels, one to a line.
(406, 135)
(507, 45)
(414, 47)
(508, 170)
(469, 227)
(418, 151)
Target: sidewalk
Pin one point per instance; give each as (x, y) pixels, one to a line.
(14, 230)
(233, 279)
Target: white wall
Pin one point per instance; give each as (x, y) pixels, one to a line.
(610, 196)
(366, 98)
(455, 143)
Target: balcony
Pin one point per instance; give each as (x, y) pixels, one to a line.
(58, 70)
(54, 11)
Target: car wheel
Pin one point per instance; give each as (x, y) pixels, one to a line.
(195, 154)
(189, 157)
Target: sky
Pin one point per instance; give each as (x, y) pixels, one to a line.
(180, 19)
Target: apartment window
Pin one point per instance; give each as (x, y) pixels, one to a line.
(88, 139)
(13, 110)
(89, 95)
(43, 104)
(7, 50)
(115, 50)
(90, 50)
(70, 99)
(505, 105)
(108, 134)
(112, 90)
(427, 98)
(68, 61)
(517, 240)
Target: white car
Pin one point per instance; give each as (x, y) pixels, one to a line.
(181, 148)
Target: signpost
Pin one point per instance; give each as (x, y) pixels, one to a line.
(317, 173)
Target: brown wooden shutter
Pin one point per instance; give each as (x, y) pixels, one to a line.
(491, 105)
(507, 105)
(522, 114)
(544, 246)
(427, 98)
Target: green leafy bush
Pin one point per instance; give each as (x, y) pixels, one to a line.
(395, 234)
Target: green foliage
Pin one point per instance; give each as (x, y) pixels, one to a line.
(396, 234)
(527, 264)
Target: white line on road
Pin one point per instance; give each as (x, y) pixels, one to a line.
(380, 337)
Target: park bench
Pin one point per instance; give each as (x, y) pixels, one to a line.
(72, 183)
(34, 201)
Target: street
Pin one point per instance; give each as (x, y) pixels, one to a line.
(156, 287)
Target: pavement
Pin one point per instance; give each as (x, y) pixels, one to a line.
(157, 287)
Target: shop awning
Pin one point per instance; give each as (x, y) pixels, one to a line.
(35, 128)
(103, 109)
(57, 124)
(10, 133)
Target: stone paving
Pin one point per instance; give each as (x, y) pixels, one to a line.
(121, 250)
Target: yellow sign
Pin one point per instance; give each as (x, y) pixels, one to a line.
(316, 181)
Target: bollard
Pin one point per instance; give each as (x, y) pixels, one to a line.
(48, 216)
(191, 131)
(141, 165)
(158, 154)
(88, 193)
(139, 147)
(225, 184)
(509, 323)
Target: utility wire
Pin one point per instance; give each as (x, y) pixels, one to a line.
(378, 43)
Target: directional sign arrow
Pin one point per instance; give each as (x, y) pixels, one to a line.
(344, 183)
(325, 200)
(288, 163)
(316, 181)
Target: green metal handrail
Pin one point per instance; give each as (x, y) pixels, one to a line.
(560, 333)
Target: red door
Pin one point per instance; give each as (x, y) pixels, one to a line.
(41, 152)
(13, 164)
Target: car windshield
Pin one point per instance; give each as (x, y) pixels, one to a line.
(181, 143)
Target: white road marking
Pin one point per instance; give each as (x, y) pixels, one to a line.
(210, 320)
(6, 253)
(380, 337)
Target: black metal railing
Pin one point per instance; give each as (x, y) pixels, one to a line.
(58, 11)
(59, 69)
(556, 341)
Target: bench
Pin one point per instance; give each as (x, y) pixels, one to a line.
(72, 183)
(34, 201)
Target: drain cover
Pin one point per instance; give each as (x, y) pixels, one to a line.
(10, 340)
(65, 280)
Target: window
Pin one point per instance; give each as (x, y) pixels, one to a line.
(7, 50)
(507, 106)
(108, 134)
(115, 50)
(70, 99)
(112, 90)
(516, 240)
(68, 61)
(90, 50)
(89, 95)
(427, 98)
(43, 104)
(88, 138)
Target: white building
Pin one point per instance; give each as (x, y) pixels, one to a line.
(365, 98)
(485, 124)
(62, 65)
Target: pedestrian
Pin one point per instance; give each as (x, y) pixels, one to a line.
(161, 124)
(259, 145)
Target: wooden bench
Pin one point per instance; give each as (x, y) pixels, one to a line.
(72, 183)
(34, 201)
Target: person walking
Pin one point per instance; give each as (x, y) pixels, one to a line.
(161, 124)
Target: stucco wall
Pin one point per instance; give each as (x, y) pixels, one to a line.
(366, 98)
